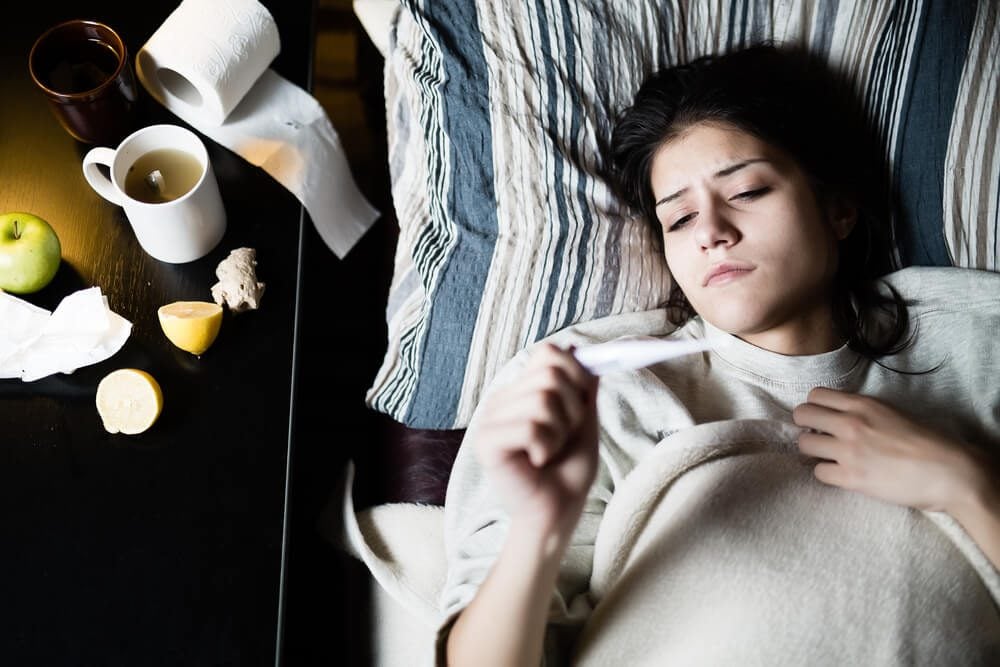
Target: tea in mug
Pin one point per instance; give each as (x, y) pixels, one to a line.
(162, 175)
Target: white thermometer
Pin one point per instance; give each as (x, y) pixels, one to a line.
(629, 355)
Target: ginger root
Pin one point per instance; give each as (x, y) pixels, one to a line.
(238, 287)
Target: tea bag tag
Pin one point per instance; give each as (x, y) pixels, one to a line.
(154, 180)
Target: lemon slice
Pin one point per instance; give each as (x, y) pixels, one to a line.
(129, 401)
(191, 325)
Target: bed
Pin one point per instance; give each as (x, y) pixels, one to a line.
(508, 231)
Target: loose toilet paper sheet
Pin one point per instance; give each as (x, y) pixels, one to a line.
(209, 64)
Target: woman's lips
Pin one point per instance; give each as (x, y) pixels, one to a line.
(722, 274)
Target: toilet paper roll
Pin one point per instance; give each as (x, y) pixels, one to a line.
(207, 55)
(209, 64)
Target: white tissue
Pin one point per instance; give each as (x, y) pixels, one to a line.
(208, 63)
(35, 343)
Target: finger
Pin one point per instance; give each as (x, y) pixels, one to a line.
(833, 474)
(561, 372)
(819, 445)
(544, 387)
(497, 439)
(818, 417)
(559, 406)
(844, 401)
(520, 465)
(585, 381)
(544, 442)
(577, 375)
(539, 441)
(555, 379)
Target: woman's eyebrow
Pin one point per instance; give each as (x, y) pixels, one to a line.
(726, 171)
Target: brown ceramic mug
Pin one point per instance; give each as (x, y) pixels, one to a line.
(83, 69)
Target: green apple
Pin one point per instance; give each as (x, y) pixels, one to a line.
(29, 253)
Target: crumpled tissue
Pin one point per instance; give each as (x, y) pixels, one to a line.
(35, 343)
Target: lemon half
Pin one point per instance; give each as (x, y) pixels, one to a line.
(129, 401)
(191, 325)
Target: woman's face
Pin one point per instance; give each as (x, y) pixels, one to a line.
(746, 239)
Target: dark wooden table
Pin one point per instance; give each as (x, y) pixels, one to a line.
(166, 547)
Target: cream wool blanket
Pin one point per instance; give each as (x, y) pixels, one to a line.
(402, 546)
(721, 548)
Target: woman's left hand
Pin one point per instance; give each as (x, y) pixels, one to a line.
(872, 448)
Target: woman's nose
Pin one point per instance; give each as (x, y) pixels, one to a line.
(714, 228)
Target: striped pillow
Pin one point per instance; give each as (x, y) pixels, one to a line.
(496, 115)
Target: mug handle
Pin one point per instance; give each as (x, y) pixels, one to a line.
(98, 181)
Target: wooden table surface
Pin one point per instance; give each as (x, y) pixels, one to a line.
(164, 547)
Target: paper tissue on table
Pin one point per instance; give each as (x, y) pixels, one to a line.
(209, 64)
(35, 343)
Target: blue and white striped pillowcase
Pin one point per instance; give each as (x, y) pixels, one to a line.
(508, 232)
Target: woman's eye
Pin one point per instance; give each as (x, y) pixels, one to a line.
(752, 194)
(681, 222)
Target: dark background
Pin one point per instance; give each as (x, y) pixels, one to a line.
(167, 548)
(342, 340)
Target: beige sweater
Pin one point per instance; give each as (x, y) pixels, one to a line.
(706, 540)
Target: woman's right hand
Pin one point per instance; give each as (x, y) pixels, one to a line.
(537, 440)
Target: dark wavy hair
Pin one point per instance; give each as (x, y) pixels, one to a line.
(792, 100)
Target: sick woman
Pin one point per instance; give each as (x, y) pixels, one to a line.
(819, 487)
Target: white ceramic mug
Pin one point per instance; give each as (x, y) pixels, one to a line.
(176, 231)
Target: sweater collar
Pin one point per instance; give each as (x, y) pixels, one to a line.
(812, 369)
